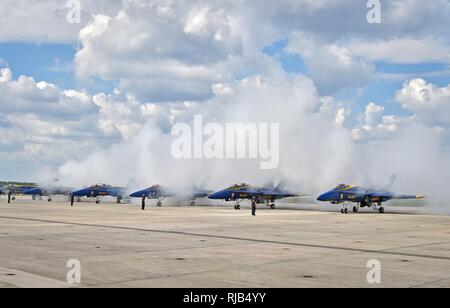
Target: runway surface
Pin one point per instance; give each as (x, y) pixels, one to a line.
(210, 246)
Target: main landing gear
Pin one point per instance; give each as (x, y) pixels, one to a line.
(237, 204)
(375, 206)
(378, 207)
(192, 203)
(271, 205)
(159, 203)
(344, 209)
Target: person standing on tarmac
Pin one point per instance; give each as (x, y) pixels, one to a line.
(9, 197)
(72, 200)
(253, 206)
(143, 202)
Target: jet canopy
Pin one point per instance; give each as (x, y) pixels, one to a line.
(99, 186)
(342, 186)
(238, 186)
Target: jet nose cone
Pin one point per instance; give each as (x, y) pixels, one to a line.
(137, 194)
(323, 197)
(215, 195)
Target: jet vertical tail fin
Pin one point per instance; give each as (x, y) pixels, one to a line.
(281, 185)
(392, 181)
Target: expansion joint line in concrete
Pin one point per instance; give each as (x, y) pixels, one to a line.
(356, 250)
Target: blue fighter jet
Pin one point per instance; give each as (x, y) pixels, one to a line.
(101, 190)
(160, 193)
(363, 197)
(15, 190)
(48, 191)
(263, 195)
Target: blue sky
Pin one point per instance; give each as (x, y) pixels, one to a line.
(49, 62)
(52, 63)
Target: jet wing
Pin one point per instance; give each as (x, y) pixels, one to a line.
(277, 194)
(200, 194)
(390, 196)
(409, 197)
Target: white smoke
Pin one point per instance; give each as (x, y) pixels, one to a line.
(316, 153)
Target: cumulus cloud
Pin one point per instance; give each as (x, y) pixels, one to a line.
(45, 21)
(5, 75)
(43, 124)
(376, 125)
(331, 66)
(27, 95)
(176, 52)
(404, 50)
(167, 51)
(430, 102)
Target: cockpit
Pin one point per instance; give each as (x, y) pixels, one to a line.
(99, 186)
(238, 186)
(342, 186)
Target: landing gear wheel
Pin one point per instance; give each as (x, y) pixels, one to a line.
(50, 199)
(13, 198)
(79, 200)
(272, 206)
(159, 204)
(98, 201)
(192, 203)
(346, 211)
(237, 207)
(381, 210)
(355, 209)
(342, 211)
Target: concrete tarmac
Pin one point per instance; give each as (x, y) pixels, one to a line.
(210, 246)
